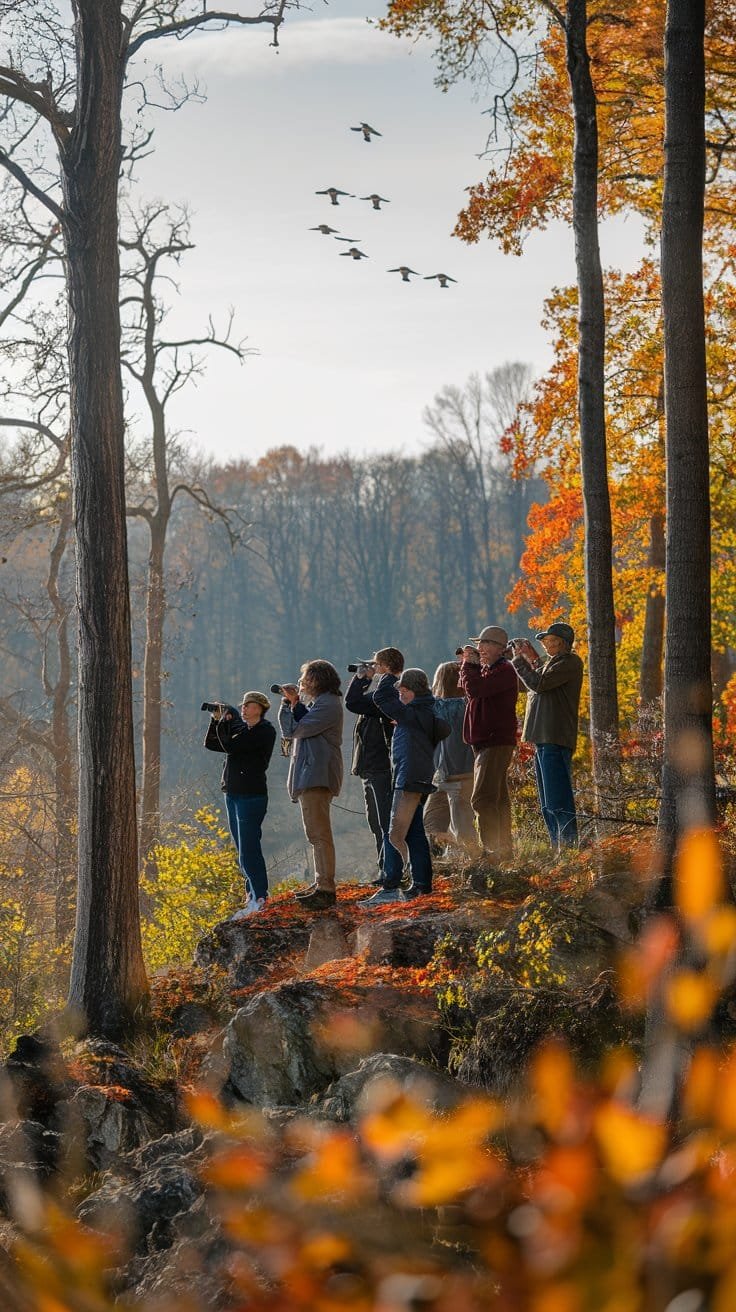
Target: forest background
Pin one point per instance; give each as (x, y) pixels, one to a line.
(241, 571)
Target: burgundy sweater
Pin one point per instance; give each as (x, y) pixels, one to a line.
(490, 715)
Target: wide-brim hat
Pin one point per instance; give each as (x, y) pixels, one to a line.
(564, 631)
(492, 633)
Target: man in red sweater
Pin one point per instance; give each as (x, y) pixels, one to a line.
(490, 684)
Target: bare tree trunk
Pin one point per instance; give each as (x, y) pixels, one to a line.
(61, 739)
(591, 407)
(650, 672)
(152, 673)
(108, 977)
(688, 785)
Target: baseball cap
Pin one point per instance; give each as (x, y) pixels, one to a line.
(491, 633)
(564, 631)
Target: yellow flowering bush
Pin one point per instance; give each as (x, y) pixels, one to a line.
(196, 884)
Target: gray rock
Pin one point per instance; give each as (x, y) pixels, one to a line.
(245, 950)
(109, 1127)
(400, 941)
(278, 1046)
(351, 1094)
(327, 942)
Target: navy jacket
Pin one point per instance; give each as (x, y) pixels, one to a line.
(417, 732)
(248, 753)
(372, 735)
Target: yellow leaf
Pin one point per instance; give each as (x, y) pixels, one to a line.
(632, 1146)
(698, 874)
(690, 997)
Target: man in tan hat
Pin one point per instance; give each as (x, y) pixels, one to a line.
(490, 684)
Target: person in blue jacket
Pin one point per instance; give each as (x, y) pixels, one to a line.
(410, 704)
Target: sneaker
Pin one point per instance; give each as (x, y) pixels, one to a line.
(383, 898)
(319, 899)
(253, 905)
(414, 891)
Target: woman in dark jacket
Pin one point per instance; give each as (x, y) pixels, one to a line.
(247, 738)
(410, 704)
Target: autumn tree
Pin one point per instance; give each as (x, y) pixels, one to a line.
(688, 785)
(62, 86)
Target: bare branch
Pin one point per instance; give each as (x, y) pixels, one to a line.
(28, 185)
(182, 27)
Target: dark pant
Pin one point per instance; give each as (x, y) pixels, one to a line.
(377, 795)
(245, 817)
(410, 842)
(553, 767)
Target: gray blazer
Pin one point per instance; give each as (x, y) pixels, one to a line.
(316, 751)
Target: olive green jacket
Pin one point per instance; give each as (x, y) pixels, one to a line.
(553, 697)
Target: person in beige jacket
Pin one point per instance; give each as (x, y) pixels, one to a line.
(551, 723)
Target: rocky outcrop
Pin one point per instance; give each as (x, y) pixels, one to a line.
(351, 1094)
(279, 1046)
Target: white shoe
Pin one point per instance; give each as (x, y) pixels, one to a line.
(253, 905)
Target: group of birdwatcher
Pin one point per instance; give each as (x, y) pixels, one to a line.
(354, 252)
(433, 761)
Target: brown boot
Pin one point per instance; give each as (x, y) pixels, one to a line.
(320, 900)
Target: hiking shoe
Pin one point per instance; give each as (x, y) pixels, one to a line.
(415, 891)
(384, 897)
(319, 900)
(253, 905)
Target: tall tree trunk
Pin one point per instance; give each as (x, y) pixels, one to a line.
(650, 671)
(61, 738)
(108, 978)
(152, 674)
(591, 407)
(688, 787)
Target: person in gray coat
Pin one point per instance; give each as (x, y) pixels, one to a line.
(311, 716)
(448, 815)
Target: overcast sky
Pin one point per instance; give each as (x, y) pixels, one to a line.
(348, 354)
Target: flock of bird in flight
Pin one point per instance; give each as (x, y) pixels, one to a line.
(353, 251)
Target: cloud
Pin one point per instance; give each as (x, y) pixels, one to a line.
(302, 44)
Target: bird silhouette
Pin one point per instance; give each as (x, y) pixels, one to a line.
(376, 200)
(404, 270)
(333, 193)
(356, 254)
(352, 240)
(444, 278)
(367, 131)
(324, 228)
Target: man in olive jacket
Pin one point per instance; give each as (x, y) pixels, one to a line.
(551, 723)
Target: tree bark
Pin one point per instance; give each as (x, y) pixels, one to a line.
(108, 977)
(591, 406)
(688, 786)
(650, 672)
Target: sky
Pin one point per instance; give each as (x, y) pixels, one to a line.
(346, 355)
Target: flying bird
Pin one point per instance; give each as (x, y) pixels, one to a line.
(352, 240)
(376, 200)
(324, 228)
(333, 193)
(367, 131)
(356, 254)
(444, 278)
(404, 270)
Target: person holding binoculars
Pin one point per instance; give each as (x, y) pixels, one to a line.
(489, 682)
(311, 715)
(247, 738)
(372, 744)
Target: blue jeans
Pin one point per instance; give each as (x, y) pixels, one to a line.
(245, 817)
(553, 766)
(410, 843)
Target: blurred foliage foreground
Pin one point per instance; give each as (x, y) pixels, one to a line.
(566, 1196)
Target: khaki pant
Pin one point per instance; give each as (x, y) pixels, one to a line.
(448, 814)
(490, 800)
(315, 807)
